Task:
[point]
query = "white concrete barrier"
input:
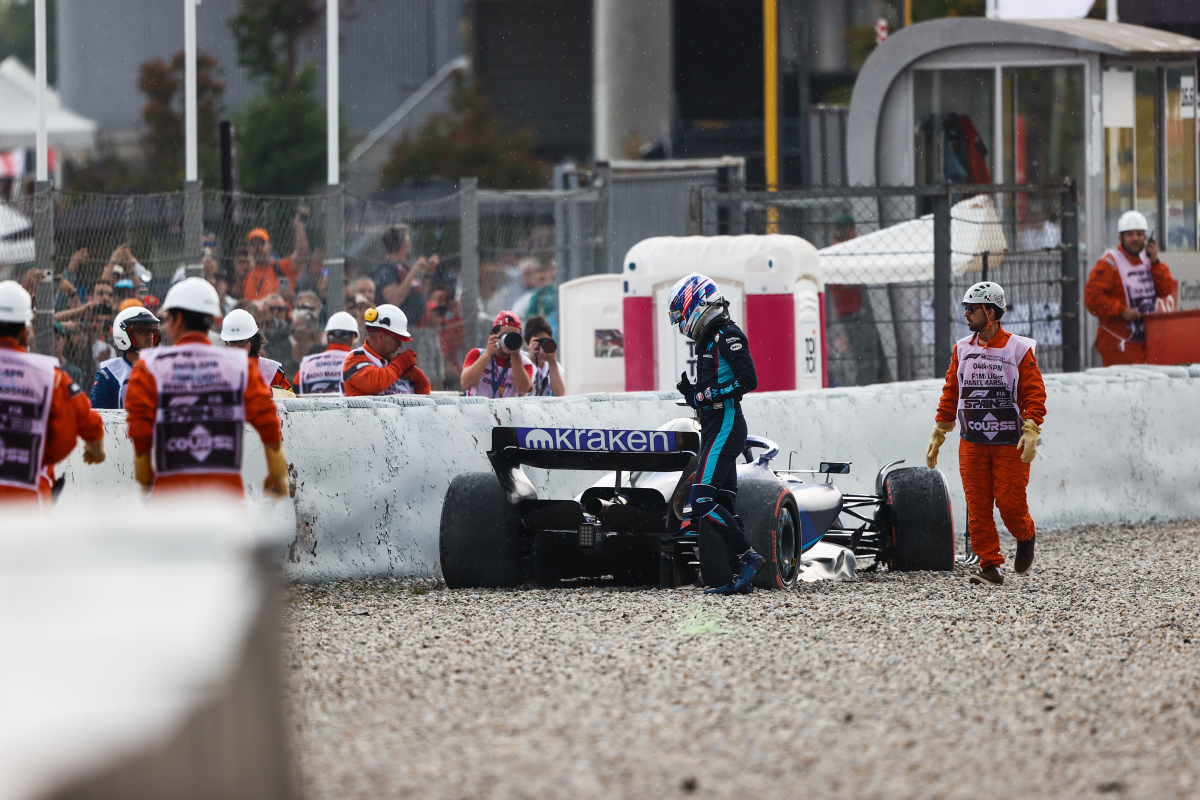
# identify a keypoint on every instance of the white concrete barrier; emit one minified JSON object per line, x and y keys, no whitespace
{"x":1119,"y":445}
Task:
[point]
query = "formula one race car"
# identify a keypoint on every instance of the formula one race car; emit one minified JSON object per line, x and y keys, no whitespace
{"x":496,"y":531}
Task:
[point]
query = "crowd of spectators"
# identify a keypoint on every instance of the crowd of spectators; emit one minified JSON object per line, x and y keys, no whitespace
{"x":286,"y":296}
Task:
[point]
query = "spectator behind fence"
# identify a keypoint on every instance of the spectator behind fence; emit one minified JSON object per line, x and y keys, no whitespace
{"x":276,"y":324}
{"x":396,"y":282}
{"x":359,"y":299}
{"x":541,"y":299}
{"x":543,"y":352}
{"x":489,"y":373}
{"x":240,"y":330}
{"x":94,"y":320}
{"x":444,"y":316}
{"x":380,"y":367}
{"x":306,"y":338}
{"x":1127,"y":283}
{"x":269,"y":273}
{"x":135,"y":329}
{"x":321,"y":373}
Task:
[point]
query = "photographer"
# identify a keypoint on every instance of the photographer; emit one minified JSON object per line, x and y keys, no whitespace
{"x":543,"y":351}
{"x":489,"y":373}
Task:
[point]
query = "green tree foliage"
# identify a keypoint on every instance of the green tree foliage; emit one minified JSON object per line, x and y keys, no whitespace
{"x":162,"y":84}
{"x":466,"y":141}
{"x":16,"y":35}
{"x":281,"y":132}
{"x":282,"y":141}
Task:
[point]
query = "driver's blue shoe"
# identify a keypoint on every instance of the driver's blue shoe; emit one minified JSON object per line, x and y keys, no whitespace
{"x":748,"y":565}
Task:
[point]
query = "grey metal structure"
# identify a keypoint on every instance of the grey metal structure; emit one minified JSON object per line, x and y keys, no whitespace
{"x":389,"y":50}
{"x":903,"y":86}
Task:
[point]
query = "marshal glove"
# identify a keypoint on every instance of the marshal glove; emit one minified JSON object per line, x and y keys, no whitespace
{"x":935,"y":442}
{"x":1030,"y":431}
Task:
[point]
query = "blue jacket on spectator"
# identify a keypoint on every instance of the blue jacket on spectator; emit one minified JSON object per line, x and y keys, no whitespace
{"x":108,"y":390}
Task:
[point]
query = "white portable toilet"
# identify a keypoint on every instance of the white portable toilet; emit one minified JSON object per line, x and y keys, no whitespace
{"x":590,"y":340}
{"x":776,"y":294}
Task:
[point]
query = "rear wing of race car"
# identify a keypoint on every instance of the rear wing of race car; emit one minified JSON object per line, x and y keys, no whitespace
{"x":585,"y":448}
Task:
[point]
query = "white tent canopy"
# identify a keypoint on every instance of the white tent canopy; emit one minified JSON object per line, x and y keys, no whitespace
{"x":16,"y":245}
{"x":65,"y":129}
{"x":903,"y":253}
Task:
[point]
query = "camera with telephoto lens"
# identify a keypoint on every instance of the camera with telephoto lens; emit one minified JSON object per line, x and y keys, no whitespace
{"x":509,"y":341}
{"x":548,"y":345}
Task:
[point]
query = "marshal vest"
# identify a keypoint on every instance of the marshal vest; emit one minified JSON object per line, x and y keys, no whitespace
{"x":201,"y":408}
{"x":1140,"y":293}
{"x":26,"y":390}
{"x":987,"y":390}
{"x":321,"y":373}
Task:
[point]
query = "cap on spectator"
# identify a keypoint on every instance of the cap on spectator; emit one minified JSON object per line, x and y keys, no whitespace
{"x":194,"y":294}
{"x":508,"y":319}
{"x":259,"y":232}
{"x":15,"y":303}
{"x":238,"y":326}
{"x":130,"y":302}
{"x":341,"y":321}
{"x":124,"y":283}
{"x":150,"y":301}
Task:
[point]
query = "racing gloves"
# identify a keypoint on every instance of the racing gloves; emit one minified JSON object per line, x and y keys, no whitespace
{"x":935,"y":442}
{"x":1030,"y":431}
{"x":276,"y":484}
{"x":687,"y":389}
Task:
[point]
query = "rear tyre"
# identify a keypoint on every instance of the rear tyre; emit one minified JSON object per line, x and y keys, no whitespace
{"x":921,"y":523}
{"x":768,"y":512}
{"x":478,"y":544}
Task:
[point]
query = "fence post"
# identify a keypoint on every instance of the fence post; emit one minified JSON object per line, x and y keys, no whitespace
{"x":335,"y":255}
{"x":193,"y":223}
{"x":1071,"y":337}
{"x":941,"y":283}
{"x":43,"y":242}
{"x":468,"y":209}
{"x":607,"y":234}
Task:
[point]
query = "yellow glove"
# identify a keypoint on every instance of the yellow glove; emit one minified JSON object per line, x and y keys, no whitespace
{"x":143,"y":472}
{"x":935,"y":442}
{"x":93,"y":452}
{"x":276,"y":484}
{"x":1029,"y":439}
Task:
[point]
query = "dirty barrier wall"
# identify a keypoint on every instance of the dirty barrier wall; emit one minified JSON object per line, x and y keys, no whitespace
{"x":1118,"y":444}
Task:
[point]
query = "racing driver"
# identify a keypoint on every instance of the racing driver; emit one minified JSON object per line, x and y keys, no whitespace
{"x":724,"y":372}
{"x":995,"y":389}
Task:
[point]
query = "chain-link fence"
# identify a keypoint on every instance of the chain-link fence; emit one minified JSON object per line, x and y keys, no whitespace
{"x":897,"y":261}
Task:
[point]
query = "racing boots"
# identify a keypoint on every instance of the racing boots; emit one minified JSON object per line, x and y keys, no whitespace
{"x":988,"y":577}
{"x":745,"y":567}
{"x":1024,"y":560}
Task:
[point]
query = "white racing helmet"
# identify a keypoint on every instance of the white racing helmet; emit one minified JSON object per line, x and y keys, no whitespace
{"x":986,"y":293}
{"x":15,"y":303}
{"x":238,"y":326}
{"x":135,"y":315}
{"x":1132,"y":221}
{"x":341,"y":322}
{"x":193,"y":294}
{"x":389,"y":318}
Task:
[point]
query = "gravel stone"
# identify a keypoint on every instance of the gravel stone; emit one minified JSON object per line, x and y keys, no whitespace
{"x":1079,"y":680}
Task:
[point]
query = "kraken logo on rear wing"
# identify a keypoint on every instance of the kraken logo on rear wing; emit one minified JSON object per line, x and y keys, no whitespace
{"x":593,"y":440}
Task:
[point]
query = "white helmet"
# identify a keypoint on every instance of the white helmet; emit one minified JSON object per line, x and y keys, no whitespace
{"x":389,"y":318}
{"x":986,"y":293}
{"x":1132,"y":221}
{"x":193,"y":294}
{"x":341,"y":322}
{"x":15,"y":303}
{"x":238,"y":326}
{"x":134,"y":315}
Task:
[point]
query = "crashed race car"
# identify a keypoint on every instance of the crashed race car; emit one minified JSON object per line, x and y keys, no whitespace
{"x":630,"y":525}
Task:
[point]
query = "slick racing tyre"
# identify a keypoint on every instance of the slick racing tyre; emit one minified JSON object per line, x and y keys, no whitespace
{"x":768,"y":512}
{"x":922,"y":530}
{"x":477,"y":543}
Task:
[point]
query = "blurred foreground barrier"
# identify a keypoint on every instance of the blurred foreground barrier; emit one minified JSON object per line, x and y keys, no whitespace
{"x":1120,"y":445}
{"x":141,"y":655}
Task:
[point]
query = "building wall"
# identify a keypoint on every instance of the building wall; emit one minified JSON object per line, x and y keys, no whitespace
{"x":389,"y":48}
